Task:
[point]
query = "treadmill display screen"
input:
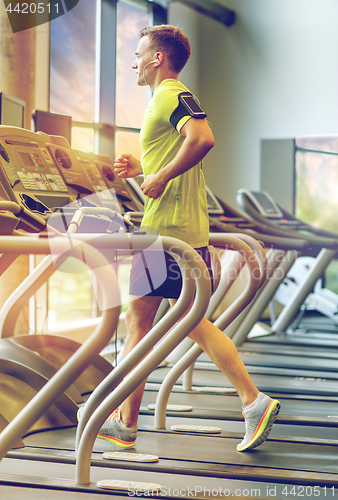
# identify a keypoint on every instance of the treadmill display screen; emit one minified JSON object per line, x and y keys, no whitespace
{"x":266,"y":204}
{"x":27,"y":160}
{"x":31,"y":160}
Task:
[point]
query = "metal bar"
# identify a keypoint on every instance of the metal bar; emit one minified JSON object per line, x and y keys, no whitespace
{"x":222,"y":322}
{"x":317,"y":151}
{"x":236,"y":264}
{"x":314,"y":273}
{"x":5,"y":262}
{"x":148,"y":364}
{"x":279,"y":264}
{"x":106,"y":277}
{"x":10,"y":311}
{"x":135,"y":355}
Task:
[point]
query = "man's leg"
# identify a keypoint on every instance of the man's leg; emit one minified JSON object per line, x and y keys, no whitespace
{"x":222,"y":351}
{"x":259,"y":410}
{"x":139,"y":321}
{"x":120,"y":428}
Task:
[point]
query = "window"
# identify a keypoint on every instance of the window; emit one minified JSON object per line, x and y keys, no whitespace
{"x":72,"y":70}
{"x":316,"y":172}
{"x":128,"y":142}
{"x":316,"y":166}
{"x":69,"y":298}
{"x":83,"y":139}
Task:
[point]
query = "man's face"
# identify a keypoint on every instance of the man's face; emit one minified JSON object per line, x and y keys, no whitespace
{"x":144,"y":55}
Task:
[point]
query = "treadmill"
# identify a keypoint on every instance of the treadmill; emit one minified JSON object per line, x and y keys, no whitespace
{"x":260,"y":206}
{"x":33,"y":453}
{"x":44,"y":180}
{"x":224,"y":218}
{"x":188,"y":462}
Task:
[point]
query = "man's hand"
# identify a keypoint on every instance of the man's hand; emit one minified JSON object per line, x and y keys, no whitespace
{"x":127,"y":166}
{"x":153,"y":186}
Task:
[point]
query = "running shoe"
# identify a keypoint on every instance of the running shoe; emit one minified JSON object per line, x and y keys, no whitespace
{"x":259,"y":417}
{"x":114,"y":431}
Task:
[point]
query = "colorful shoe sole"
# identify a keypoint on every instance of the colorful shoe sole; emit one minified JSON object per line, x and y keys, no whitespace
{"x":264,"y":427}
{"x":116,"y":441}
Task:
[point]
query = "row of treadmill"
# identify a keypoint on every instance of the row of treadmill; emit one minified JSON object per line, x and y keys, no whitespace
{"x":187,"y":449}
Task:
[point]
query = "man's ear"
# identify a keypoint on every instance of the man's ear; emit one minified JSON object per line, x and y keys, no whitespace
{"x":159,"y":57}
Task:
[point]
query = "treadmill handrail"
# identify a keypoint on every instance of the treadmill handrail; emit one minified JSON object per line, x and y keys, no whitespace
{"x":258,"y":270}
{"x":10,"y":311}
{"x":327,"y":250}
{"x":268,"y":238}
{"x":280,"y":263}
{"x":222,"y":290}
{"x":241,"y":243}
{"x":144,"y":346}
{"x":78,"y":362}
{"x":111,"y":214}
{"x":152,"y":360}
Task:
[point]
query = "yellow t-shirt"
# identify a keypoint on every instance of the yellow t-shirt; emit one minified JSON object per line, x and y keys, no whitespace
{"x":181,"y":211}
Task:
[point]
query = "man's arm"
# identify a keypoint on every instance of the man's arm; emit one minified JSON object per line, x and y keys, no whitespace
{"x":198,"y":141}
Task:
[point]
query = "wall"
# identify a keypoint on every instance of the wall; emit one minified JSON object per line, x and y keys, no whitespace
{"x":273,"y":74}
{"x":189,"y":21}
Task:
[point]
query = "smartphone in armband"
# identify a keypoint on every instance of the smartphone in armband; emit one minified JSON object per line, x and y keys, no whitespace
{"x":192,"y":106}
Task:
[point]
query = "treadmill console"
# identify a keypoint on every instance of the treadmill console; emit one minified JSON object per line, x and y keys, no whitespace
{"x":43,"y":174}
{"x":263,"y":203}
{"x":31,"y":170}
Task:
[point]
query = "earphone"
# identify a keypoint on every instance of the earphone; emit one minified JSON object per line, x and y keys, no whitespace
{"x":145,"y":67}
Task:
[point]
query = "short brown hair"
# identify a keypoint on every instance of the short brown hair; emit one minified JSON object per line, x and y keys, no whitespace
{"x":171,"y":41}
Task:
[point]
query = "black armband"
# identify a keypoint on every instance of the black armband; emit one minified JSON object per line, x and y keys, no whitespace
{"x":188,"y":106}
